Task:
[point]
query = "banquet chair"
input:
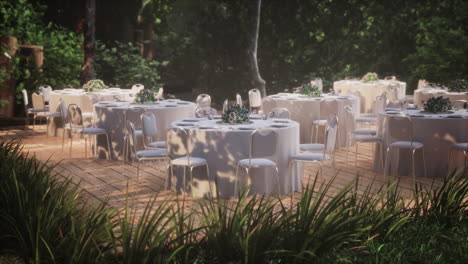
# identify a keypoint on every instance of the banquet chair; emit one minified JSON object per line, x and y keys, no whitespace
{"x":400,"y":128}
{"x":380,"y":103}
{"x":142,"y":155}
{"x":463,"y":147}
{"x":205,"y":112}
{"x":331,"y":136}
{"x":316,"y":124}
{"x":77,"y":126}
{"x":238,"y":99}
{"x":150,"y":131}
{"x":45,"y":90}
{"x":203,"y":100}
{"x":41,"y":110}
{"x":185,"y":158}
{"x":354,"y":134}
{"x":137,"y":87}
{"x":279,"y":113}
{"x":255,"y":100}
{"x":66,"y":125}
{"x":29,"y":110}
{"x":225,"y":105}
{"x":459,"y":104}
{"x":159,"y":95}
{"x":263,"y":143}
{"x":132,"y":113}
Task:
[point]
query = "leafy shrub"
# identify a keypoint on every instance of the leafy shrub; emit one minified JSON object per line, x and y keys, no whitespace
{"x":121,"y":65}
{"x":44,"y":219}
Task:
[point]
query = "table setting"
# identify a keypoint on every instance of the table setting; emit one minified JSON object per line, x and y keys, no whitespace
{"x":223,"y":144}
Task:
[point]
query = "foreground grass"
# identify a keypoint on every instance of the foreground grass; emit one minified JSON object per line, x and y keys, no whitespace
{"x":44,"y":219}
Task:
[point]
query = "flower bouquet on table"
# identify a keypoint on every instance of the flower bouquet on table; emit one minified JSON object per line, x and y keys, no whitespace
{"x":460,"y":85}
{"x":310,"y":89}
{"x":145,"y":96}
{"x":94,"y":85}
{"x":370,"y":77}
{"x":438,"y":105}
{"x":236,"y":114}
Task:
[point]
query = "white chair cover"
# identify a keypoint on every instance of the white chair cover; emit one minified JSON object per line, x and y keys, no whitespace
{"x":137,"y":87}
{"x":225,"y":105}
{"x":160,"y":93}
{"x":45,"y":90}
{"x":38,"y":101}
{"x":25,"y":98}
{"x":203,"y":100}
{"x":238,"y":99}
{"x":148,"y":122}
{"x":255,"y":98}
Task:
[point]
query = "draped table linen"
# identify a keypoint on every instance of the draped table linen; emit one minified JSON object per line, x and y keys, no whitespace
{"x":306,"y":109}
{"x":224,"y":145}
{"x":395,"y":90}
{"x":111,"y":116}
{"x":437,"y":132}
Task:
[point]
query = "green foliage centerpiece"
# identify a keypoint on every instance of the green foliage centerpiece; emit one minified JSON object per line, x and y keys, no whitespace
{"x":94,"y":85}
{"x":370,"y":77}
{"x":460,"y":85}
{"x":310,"y":89}
{"x":236,"y":114}
{"x":145,"y":96}
{"x":438,"y":105}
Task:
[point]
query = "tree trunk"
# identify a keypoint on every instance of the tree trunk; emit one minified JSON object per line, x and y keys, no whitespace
{"x":87,"y":70}
{"x":257,"y":80}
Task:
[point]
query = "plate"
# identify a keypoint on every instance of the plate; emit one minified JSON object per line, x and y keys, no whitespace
{"x":392,"y":109}
{"x":417,"y":115}
{"x":343,"y":97}
{"x":183,"y":103}
{"x":278,"y":126}
{"x":281,"y":121}
{"x":246,"y":128}
{"x":191,"y":120}
{"x":206,"y":127}
{"x":184,"y":124}
{"x":455,"y":116}
{"x":170,"y":106}
{"x":393,"y":112}
{"x":110,"y":105}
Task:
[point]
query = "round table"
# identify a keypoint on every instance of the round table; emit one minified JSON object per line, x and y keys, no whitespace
{"x":306,"y":109}
{"x":224,"y":145}
{"x":437,"y":132}
{"x":395,"y":90}
{"x":85,"y":100}
{"x":111,"y":116}
{"x":422,"y":95}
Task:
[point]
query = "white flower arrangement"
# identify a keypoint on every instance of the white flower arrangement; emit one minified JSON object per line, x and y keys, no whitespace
{"x":236,"y":114}
{"x":310,"y":89}
{"x":370,"y":77}
{"x":94,"y":85}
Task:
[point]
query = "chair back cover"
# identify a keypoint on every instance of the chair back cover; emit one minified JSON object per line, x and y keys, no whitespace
{"x":148,"y":122}
{"x":399,"y":127}
{"x":133,"y":114}
{"x":177,"y":142}
{"x":45,"y":90}
{"x":203,"y":100}
{"x":131,"y":136}
{"x":422,"y":84}
{"x":225,"y":105}
{"x":255,"y":98}
{"x":25,"y":98}
{"x":238,"y":99}
{"x":205,"y":112}
{"x":263,"y":143}
{"x":38,"y":101}
{"x":380,"y":103}
{"x":459,"y":104}
{"x":280,"y":113}
{"x":63,"y":110}
{"x":318,"y":82}
{"x":137,"y":87}
{"x":75,"y":116}
{"x":160,"y":93}
{"x":328,"y":106}
{"x":331,"y":133}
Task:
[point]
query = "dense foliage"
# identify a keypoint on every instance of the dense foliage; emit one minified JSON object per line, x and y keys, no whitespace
{"x":44,"y":219}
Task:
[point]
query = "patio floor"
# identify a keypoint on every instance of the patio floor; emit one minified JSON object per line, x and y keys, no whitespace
{"x":116,"y":183}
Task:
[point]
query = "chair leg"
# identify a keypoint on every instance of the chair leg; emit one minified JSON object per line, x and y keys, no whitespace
{"x":71,"y":142}
{"x":414,"y":167}
{"x":125,"y":150}
{"x":424,"y":162}
{"x":236,"y":182}
{"x":108,"y":147}
{"x":184,"y":181}
{"x":63,"y":138}
{"x":209,"y":180}
{"x":398,"y":162}
{"x":278,"y":181}
{"x":386,"y":165}
{"x":138,"y":170}
{"x":86,"y":146}
{"x":191,"y":180}
{"x":355,"y":157}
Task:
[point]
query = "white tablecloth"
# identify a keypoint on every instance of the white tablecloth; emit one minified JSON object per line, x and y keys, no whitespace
{"x":111,"y":116}
{"x":305,"y":109}
{"x":437,"y":132}
{"x":224,"y":145}
{"x":85,"y":100}
{"x":395,"y":90}
{"x":422,"y":95}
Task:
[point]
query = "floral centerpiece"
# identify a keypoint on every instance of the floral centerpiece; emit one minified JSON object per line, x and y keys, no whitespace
{"x":370,"y":77}
{"x":310,"y":89}
{"x":236,"y":114}
{"x":437,"y":105}
{"x":145,"y":96}
{"x":460,"y":85}
{"x":94,"y":85}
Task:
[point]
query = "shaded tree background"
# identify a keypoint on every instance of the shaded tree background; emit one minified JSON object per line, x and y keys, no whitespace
{"x":205,"y":42}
